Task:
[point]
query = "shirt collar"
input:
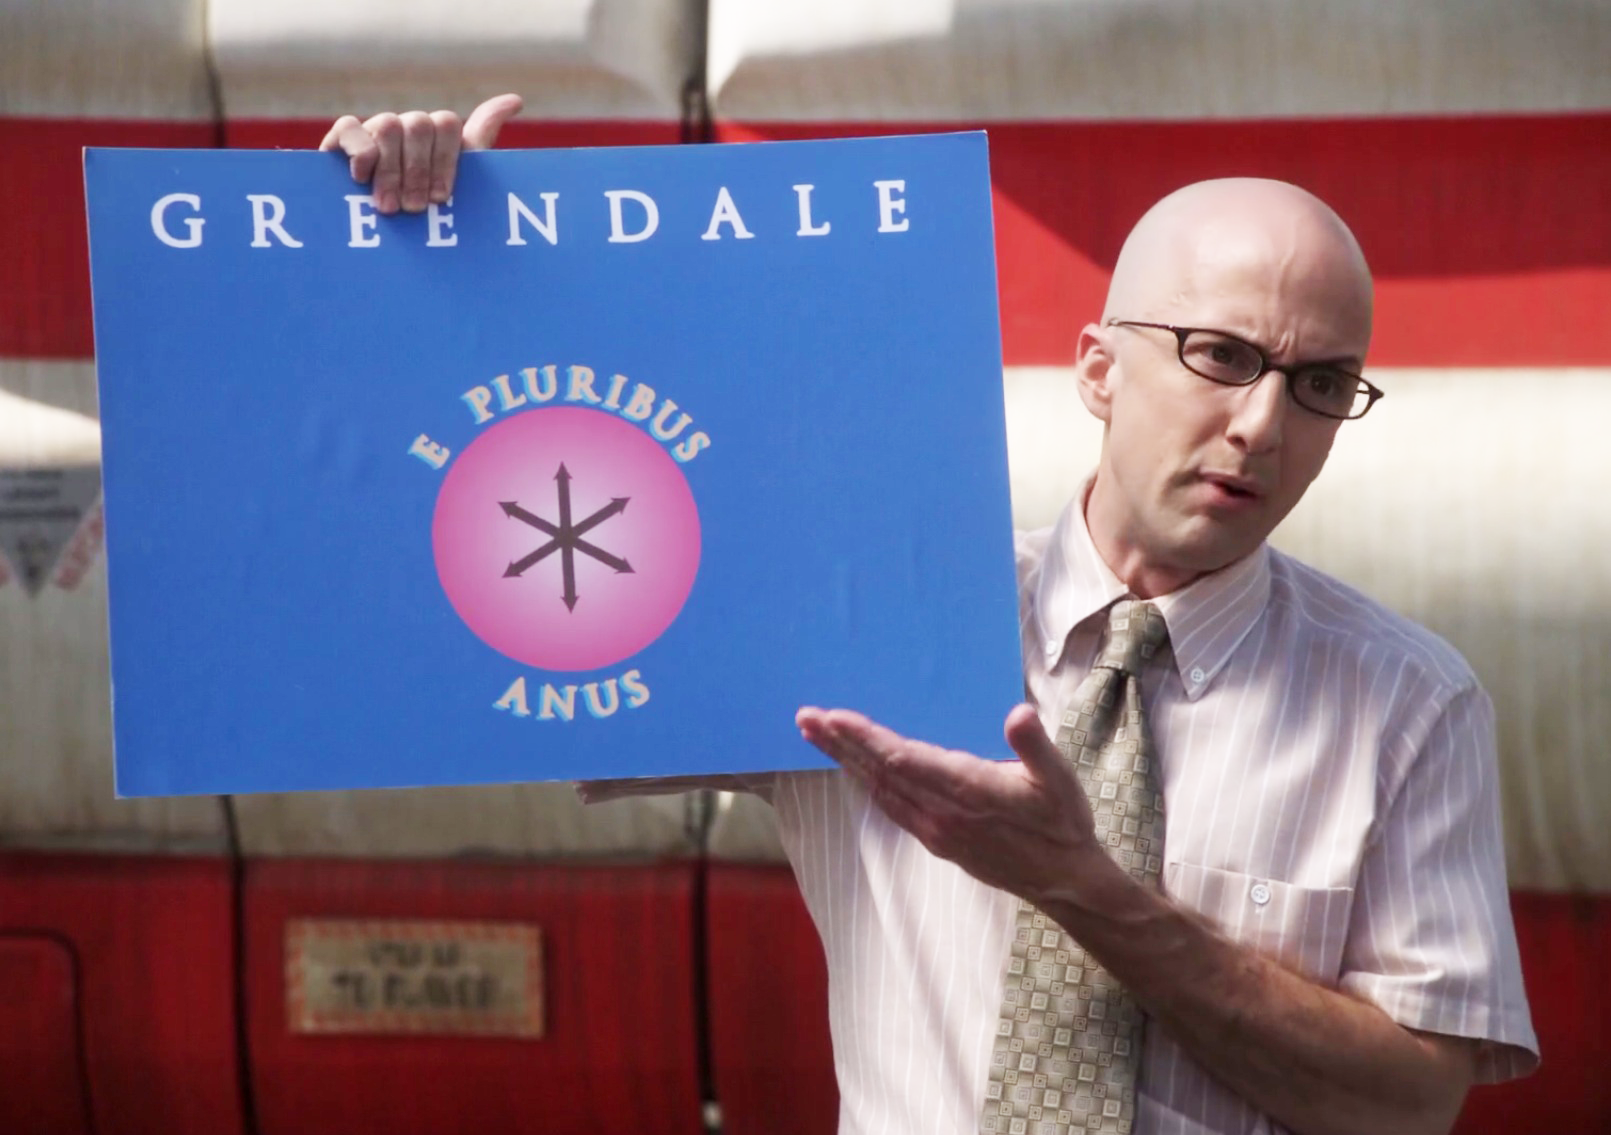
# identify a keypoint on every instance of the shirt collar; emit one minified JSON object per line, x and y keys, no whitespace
{"x":1207,"y":619}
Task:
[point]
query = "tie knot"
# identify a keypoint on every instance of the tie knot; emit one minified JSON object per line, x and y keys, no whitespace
{"x":1135,"y":632}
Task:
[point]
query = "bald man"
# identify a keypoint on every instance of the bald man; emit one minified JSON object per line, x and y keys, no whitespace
{"x":1331,"y":949}
{"x":1324,"y":944}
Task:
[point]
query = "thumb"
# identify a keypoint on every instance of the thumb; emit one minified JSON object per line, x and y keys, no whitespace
{"x":481,"y":128}
{"x":1028,"y":739}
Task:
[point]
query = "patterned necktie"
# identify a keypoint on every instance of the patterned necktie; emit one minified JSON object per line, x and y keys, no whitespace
{"x":1068,"y":1043}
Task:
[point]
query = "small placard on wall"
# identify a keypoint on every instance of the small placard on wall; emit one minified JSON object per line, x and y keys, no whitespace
{"x":414,"y":978}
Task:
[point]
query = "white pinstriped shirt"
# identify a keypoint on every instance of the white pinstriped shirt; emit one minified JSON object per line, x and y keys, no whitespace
{"x":1330,"y":788}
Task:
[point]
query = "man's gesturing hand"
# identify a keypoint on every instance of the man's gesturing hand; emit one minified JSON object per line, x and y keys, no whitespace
{"x":412,"y":157}
{"x":1024,"y":828}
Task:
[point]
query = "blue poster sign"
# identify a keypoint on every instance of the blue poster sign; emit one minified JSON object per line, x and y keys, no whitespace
{"x":600,"y":470}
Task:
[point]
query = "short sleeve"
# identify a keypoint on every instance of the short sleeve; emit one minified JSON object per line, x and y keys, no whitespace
{"x":1431,"y":939}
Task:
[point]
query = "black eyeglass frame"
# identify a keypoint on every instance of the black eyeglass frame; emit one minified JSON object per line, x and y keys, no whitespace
{"x":1265,"y":366}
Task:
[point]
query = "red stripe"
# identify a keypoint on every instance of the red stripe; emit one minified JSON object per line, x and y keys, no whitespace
{"x":1490,"y":237}
{"x":771,"y":1054}
{"x":44,"y":253}
{"x":150,"y":940}
{"x":42,"y":1086}
{"x":619,"y":1046}
{"x":44,"y":266}
{"x":1564,"y":941}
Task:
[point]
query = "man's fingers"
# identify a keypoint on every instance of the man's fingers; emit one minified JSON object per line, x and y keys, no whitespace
{"x":940,"y":782}
{"x":411,"y":160}
{"x":445,"y":154}
{"x":345,"y":133}
{"x":825,"y":730}
{"x":332,"y":137}
{"x":485,"y":121}
{"x":419,"y":140}
{"x":387,"y":130}
{"x":958,"y":806}
{"x":952,"y":773}
{"x":1028,"y":739}
{"x":856,"y":742}
{"x":817,"y":726}
{"x":348,"y":136}
{"x":1049,"y":767}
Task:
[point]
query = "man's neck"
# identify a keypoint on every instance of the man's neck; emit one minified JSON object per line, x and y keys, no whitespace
{"x":1143,"y":577}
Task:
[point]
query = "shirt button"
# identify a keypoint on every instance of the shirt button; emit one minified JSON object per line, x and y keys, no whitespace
{"x":1260,"y":894}
{"x":1197,"y":674}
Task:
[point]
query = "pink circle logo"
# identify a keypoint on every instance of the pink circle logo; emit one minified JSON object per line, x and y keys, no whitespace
{"x":566,"y":538}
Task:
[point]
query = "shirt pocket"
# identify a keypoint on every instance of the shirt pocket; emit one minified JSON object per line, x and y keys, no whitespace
{"x":1304,"y":928}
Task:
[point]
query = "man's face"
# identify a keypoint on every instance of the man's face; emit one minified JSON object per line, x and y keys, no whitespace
{"x":1195,"y":475}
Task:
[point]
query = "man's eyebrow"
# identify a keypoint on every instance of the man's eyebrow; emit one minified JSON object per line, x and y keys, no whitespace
{"x":1343,"y":362}
{"x":1354,"y":363}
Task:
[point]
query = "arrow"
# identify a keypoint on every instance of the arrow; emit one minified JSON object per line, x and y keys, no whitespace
{"x":564,"y":479}
{"x":568,"y":562}
{"x":514,"y":570}
{"x":511,"y":509}
{"x":621,"y":566}
{"x":567,"y":538}
{"x":616,"y":506}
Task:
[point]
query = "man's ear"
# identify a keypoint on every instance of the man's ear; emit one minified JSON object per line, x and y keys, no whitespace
{"x":1094,"y":371}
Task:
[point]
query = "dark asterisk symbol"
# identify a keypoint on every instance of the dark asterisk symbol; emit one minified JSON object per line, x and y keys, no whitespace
{"x":567,"y":537}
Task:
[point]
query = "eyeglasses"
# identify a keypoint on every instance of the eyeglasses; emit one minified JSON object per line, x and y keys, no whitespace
{"x":1223,"y":358}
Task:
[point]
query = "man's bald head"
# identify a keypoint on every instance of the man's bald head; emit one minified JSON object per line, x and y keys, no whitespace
{"x":1193,"y":237}
{"x":1195,"y":474}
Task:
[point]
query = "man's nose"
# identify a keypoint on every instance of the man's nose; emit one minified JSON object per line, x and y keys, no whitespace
{"x":1260,"y":412}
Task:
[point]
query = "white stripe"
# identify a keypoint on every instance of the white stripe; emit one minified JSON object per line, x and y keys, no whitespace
{"x":1028,"y":60}
{"x":569,"y":58}
{"x":117,"y":59}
